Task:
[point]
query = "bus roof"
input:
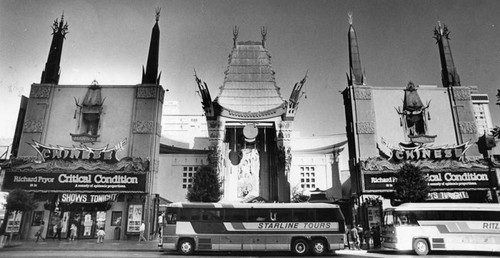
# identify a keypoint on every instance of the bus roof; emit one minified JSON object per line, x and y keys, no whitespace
{"x":446,"y":206}
{"x":253,"y":205}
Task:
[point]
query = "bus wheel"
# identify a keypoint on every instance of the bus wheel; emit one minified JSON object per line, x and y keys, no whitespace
{"x":186,"y":246}
{"x":300,"y":247}
{"x":318,"y":247}
{"x":420,"y":247}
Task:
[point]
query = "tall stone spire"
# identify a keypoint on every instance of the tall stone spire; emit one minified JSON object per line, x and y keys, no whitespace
{"x":355,"y":76}
{"x":149,"y":76}
{"x":51,"y":72}
{"x":449,"y":75}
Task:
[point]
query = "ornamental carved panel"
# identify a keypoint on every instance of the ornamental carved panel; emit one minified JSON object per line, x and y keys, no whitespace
{"x":143,"y":127}
{"x":461,"y":94}
{"x":158,"y":129}
{"x":468,"y":127}
{"x":162,"y":94}
{"x":146,"y":92}
{"x":213,"y":124}
{"x":362,"y":93}
{"x":33,"y":126}
{"x":365,"y":127}
{"x":40,"y":92}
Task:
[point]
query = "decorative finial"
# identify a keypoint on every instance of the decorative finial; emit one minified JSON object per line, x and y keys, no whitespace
{"x":441,"y":31}
{"x":263,"y":32}
{"x":157,"y":16}
{"x":236,"y":30}
{"x":60,"y":26}
{"x":349,"y":17}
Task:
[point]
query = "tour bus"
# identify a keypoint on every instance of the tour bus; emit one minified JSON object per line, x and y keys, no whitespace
{"x":423,"y":227}
{"x":297,"y":227}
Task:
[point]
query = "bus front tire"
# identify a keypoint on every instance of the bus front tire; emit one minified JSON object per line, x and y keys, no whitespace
{"x":300,"y":247}
{"x":186,"y":246}
{"x":318,"y":247}
{"x":420,"y":247}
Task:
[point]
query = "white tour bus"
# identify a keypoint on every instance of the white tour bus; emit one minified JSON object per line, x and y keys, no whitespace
{"x":299,"y":227}
{"x":423,"y":227}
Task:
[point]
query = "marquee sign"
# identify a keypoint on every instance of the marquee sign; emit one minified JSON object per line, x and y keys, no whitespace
{"x":421,"y":151}
{"x":63,"y":181}
{"x":86,"y":198}
{"x":436,"y":180}
{"x":49,"y":152}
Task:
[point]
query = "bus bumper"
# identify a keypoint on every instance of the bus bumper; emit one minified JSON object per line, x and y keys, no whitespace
{"x":168,"y":246}
{"x":337,"y":246}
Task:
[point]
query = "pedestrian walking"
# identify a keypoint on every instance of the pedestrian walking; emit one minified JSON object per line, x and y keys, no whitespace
{"x":376,"y":236}
{"x":368,"y":237}
{"x":348,"y":237}
{"x":73,"y":231}
{"x":142,"y":228}
{"x":57,"y":229}
{"x":100,"y":235}
{"x":360,"y":236}
{"x":39,"y":233}
{"x":355,"y":238}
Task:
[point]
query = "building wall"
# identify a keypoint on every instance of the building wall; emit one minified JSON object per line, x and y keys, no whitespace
{"x":173,"y":167}
{"x":482,"y":113}
{"x":130,"y":116}
{"x":386,"y":100}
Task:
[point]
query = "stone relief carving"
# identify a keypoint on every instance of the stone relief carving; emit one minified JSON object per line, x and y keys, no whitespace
{"x":143,"y":127}
{"x":381,"y":164}
{"x":468,"y":127}
{"x":40,"y":92}
{"x":362,"y":93}
{"x":146,"y":92}
{"x":158,"y":129}
{"x":365,"y":127}
{"x":162,"y":94}
{"x":33,"y":126}
{"x":461,"y":94}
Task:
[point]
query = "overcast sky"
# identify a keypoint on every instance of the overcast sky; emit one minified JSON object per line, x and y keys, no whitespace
{"x":108,"y":41}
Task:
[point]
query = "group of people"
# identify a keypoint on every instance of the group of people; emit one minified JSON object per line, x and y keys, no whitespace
{"x":73,"y":232}
{"x":357,"y":236}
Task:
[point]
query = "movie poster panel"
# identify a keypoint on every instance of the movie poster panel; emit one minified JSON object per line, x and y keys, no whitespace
{"x":134,"y":218}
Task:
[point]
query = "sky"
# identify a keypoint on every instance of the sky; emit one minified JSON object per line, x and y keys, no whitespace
{"x":108,"y":41}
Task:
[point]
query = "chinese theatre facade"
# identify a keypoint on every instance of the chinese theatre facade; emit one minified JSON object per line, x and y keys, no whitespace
{"x":431,"y":127}
{"x":250,"y":125}
{"x":87,"y":152}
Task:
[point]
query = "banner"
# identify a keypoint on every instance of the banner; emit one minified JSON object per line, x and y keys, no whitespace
{"x":62,"y":181}
{"x":86,"y":198}
{"x":441,"y":180}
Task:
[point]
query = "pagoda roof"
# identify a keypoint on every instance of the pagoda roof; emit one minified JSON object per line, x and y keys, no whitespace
{"x":249,"y":83}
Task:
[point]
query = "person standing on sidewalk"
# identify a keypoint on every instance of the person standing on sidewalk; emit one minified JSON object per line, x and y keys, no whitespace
{"x":368,"y":238}
{"x":142,"y":228}
{"x":100,"y":235}
{"x":39,"y":233}
{"x":73,"y":231}
{"x":58,"y":229}
{"x":355,"y":238}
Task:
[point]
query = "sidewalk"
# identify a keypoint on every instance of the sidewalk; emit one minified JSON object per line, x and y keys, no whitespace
{"x":84,"y":244}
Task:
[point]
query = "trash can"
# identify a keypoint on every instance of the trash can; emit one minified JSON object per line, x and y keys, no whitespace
{"x":117,"y":233}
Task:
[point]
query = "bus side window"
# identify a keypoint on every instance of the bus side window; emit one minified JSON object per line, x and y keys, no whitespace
{"x":328,"y":215}
{"x":235,"y":215}
{"x":258,"y":215}
{"x":388,"y":218}
{"x":304,"y":215}
{"x":281,"y":215}
{"x":171,"y":217}
{"x":211,"y":215}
